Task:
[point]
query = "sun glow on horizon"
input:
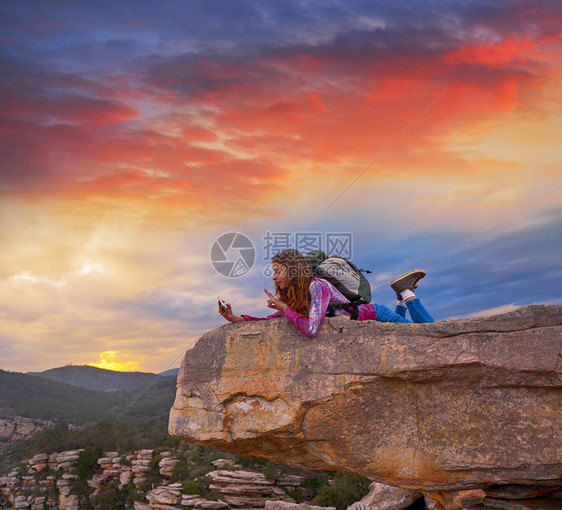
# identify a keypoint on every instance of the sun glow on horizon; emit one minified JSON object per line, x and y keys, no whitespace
{"x":108,"y":361}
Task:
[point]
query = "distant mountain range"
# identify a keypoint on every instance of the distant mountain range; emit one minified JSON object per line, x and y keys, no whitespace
{"x":172,"y":371}
{"x":83,"y":394}
{"x":99,"y":379}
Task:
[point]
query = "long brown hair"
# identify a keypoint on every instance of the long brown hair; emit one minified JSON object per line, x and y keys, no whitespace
{"x":299,"y":274}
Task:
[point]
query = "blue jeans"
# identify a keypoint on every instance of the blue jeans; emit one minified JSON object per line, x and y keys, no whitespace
{"x":401,"y":310}
{"x":417,"y":311}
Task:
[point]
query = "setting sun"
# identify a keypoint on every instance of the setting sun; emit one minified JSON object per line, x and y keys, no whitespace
{"x":108,"y":360}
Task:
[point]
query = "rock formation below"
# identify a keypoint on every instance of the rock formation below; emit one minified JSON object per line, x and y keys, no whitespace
{"x":17,"y":428}
{"x":280,"y":505}
{"x":52,"y":481}
{"x":447,"y":406}
{"x":250,"y":490}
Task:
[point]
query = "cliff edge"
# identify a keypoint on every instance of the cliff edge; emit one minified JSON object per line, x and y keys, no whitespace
{"x":446,"y":406}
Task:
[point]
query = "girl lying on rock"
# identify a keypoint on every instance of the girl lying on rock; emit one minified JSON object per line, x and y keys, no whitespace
{"x":303,"y":298}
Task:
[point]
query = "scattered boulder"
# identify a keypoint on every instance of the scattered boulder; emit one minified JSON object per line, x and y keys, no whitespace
{"x":223,"y":463}
{"x":386,"y":497}
{"x":125,"y":477}
{"x":39,"y":462}
{"x":165,"y":495}
{"x":281,"y":505}
{"x":198,"y":502}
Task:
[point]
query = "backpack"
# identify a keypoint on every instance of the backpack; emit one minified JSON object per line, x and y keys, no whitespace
{"x":344,"y":276}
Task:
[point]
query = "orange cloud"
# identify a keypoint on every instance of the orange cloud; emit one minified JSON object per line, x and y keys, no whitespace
{"x":510,"y":49}
{"x":251,"y":125}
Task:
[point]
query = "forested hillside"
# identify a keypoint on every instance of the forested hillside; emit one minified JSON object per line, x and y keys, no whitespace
{"x":31,"y":396}
{"x":93,"y":378}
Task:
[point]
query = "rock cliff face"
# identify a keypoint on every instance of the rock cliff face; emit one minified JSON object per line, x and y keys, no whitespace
{"x":448,"y":406}
{"x":18,"y":427}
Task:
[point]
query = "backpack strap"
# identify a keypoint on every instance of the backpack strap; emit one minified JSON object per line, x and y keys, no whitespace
{"x":331,"y":310}
{"x":352,"y":308}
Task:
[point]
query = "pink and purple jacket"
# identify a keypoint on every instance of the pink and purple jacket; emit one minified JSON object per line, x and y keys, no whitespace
{"x":322,"y":292}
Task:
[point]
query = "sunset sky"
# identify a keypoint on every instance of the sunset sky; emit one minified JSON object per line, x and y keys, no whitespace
{"x":134,"y":134}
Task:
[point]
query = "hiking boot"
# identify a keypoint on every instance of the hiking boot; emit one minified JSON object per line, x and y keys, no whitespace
{"x":407,"y":281}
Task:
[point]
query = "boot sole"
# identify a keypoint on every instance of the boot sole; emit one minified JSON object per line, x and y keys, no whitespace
{"x":408,"y":274}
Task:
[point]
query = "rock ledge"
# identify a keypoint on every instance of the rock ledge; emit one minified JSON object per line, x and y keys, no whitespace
{"x":451,"y":405}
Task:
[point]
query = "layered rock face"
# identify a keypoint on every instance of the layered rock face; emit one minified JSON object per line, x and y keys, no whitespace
{"x":52,"y":481}
{"x":22,"y":489}
{"x":251,"y":490}
{"x":18,"y":427}
{"x":448,"y":406}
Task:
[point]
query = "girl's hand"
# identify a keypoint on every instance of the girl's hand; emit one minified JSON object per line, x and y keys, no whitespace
{"x":228,"y":315}
{"x":273,"y":302}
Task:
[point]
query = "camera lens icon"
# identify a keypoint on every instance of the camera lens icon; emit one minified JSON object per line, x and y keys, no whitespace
{"x":233,"y":254}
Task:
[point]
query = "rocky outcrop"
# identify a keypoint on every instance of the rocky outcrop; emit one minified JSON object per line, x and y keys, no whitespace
{"x":52,"y":481}
{"x":114,"y":467}
{"x":24,"y":487}
{"x":18,"y":427}
{"x":240,"y":490}
{"x":448,"y":406}
{"x":246,"y":489}
{"x":167,"y":464}
{"x":168,"y":495}
{"x":140,"y":466}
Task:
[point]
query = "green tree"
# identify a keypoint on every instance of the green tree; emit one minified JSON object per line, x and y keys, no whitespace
{"x":110,"y":497}
{"x":196,"y":453}
{"x":192,"y":487}
{"x":249,"y":460}
{"x":88,"y":461}
{"x":297,"y":494}
{"x":347,"y":489}
{"x":180,"y":471}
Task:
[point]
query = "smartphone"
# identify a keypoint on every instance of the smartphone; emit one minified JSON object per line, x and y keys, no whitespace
{"x":223,"y":305}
